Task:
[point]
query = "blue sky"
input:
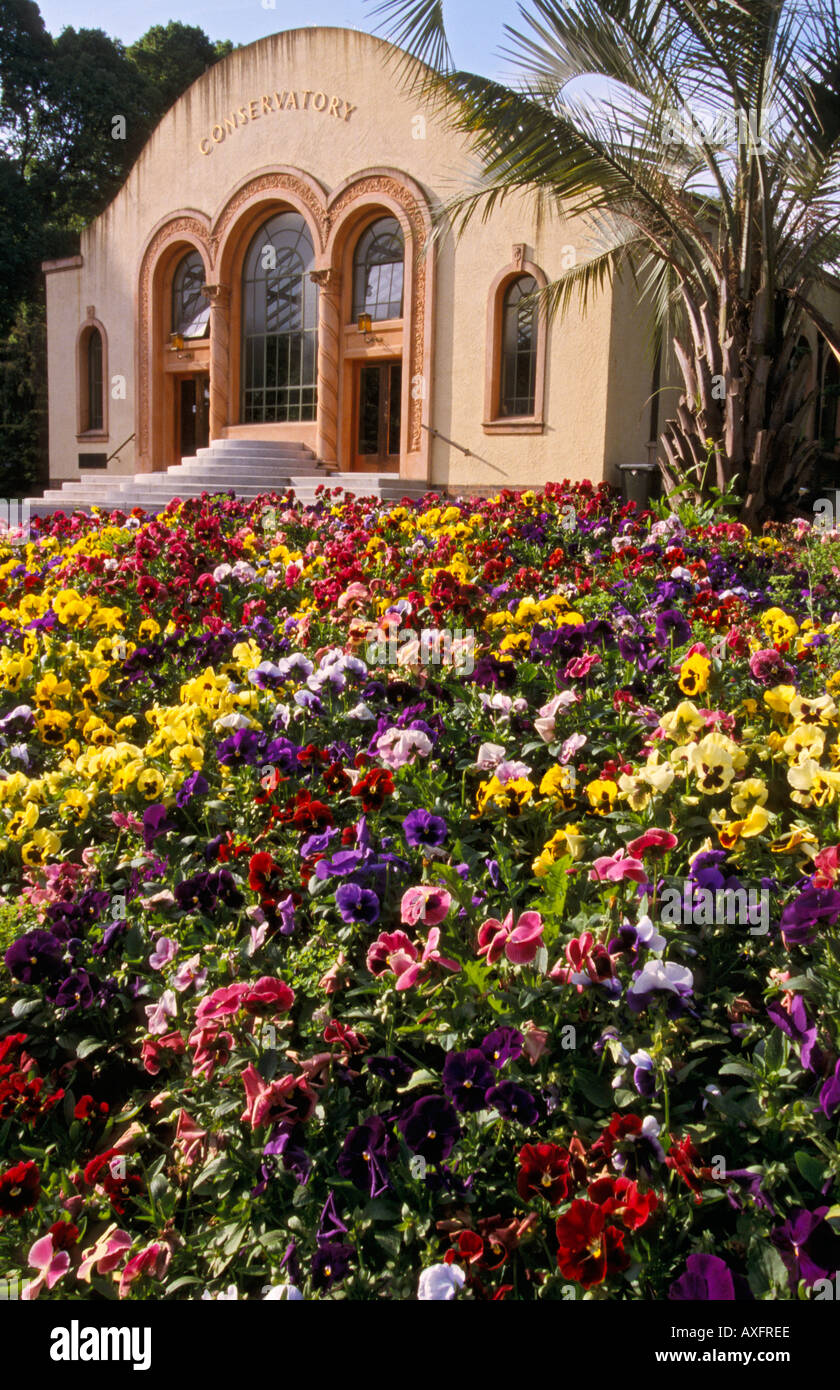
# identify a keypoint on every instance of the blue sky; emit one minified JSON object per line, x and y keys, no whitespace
{"x":476,"y":26}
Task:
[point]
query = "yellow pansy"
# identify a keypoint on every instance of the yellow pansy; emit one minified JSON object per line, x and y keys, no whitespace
{"x":812,"y":785}
{"x":71,"y":609}
{"x":714,"y":762}
{"x":680,"y":723}
{"x":780,"y":698}
{"x":75,"y":806}
{"x":694,"y":675}
{"x":780,"y":626}
{"x":821,"y":711}
{"x":751,"y":792}
{"x":49,"y":689}
{"x":21,"y":822}
{"x":14,"y":669}
{"x":730,"y":832}
{"x":52,"y":726}
{"x":150,"y":783}
{"x":601,"y":795}
{"x":43,"y":845}
{"x":806,"y":739}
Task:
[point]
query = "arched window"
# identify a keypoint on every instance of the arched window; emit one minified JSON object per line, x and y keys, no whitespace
{"x":379,"y":271}
{"x":828,"y":401}
{"x":519,"y":338}
{"x":91,"y":380}
{"x":190,"y":308}
{"x":279,"y":323}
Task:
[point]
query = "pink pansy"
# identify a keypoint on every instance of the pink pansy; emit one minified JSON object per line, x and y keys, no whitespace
{"x":489,"y":756}
{"x":51,"y":1265}
{"x":190,"y":1139}
{"x":519,"y":943}
{"x":189,"y":974}
{"x":399,"y":747}
{"x":211,"y":1046}
{"x":586,"y":958}
{"x":511,"y":771}
{"x":412,"y":970}
{"x":126,"y":822}
{"x":152,"y":1260}
{"x":159,"y":1014}
{"x":111,"y":1247}
{"x":222,"y":1003}
{"x":426,"y":903}
{"x":384,"y":947}
{"x":165,"y":950}
{"x":653,"y":842}
{"x":572,"y":745}
{"x":267,"y":995}
{"x":612,"y":868}
{"x":330,"y":982}
{"x":580,"y":666}
{"x":826,"y":863}
{"x":548,"y":713}
{"x":535,"y":1041}
{"x":718,"y":719}
{"x":266,"y":1103}
{"x":154,"y":1049}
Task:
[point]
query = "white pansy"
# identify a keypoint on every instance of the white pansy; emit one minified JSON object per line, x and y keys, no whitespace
{"x":439,"y":1283}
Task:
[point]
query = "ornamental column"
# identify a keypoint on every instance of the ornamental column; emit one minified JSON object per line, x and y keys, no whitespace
{"x":219,"y":296}
{"x":329,"y":338}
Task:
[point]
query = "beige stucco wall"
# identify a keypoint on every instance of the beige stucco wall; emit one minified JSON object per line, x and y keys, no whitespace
{"x":586,"y":423}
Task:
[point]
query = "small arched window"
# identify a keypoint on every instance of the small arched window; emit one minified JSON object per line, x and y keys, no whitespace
{"x":91,"y":377}
{"x":379,"y":271}
{"x":190,"y":308}
{"x":828,"y":402}
{"x":519,"y":339}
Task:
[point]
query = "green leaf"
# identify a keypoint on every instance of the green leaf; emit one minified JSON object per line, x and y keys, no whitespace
{"x":419,"y":1078}
{"x":87,"y":1046}
{"x":810,"y":1167}
{"x":597,"y":1089}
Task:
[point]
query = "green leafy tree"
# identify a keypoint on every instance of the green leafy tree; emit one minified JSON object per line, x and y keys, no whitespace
{"x":704,"y":154}
{"x":171,"y":57}
{"x":75,"y":112}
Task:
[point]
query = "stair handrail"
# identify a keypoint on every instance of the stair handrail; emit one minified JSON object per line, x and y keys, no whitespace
{"x":121,"y":446}
{"x":436,"y":434}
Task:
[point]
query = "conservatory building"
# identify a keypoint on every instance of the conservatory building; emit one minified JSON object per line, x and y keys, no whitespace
{"x":268,"y":274}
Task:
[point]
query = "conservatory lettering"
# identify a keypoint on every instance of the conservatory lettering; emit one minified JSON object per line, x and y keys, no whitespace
{"x":277,"y":103}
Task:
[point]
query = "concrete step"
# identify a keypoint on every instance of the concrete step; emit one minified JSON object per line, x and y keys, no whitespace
{"x":268,"y":446}
{"x":236,"y":459}
{"x":260,"y":471}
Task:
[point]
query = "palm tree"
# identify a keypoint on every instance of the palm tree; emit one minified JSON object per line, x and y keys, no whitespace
{"x":708,"y":168}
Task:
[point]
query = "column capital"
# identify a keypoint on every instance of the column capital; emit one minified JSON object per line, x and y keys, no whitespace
{"x":328,"y":280}
{"x":217,"y":294}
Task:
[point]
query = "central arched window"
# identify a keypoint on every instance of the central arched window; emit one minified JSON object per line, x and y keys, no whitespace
{"x":519,"y":348}
{"x":379,"y":271}
{"x":279,"y":323}
{"x":190,"y":308}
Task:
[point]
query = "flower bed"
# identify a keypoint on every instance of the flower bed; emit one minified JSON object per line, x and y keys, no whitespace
{"x":338,"y":969}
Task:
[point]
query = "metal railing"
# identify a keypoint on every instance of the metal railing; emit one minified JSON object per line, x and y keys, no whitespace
{"x":436,"y":434}
{"x":121,"y":446}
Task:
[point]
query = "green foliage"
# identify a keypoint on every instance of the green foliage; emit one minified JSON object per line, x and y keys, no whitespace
{"x":62,"y":159}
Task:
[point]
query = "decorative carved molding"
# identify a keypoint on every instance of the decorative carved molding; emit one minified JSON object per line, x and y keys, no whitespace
{"x":179,"y":227}
{"x":278,"y":183}
{"x":91,"y":311}
{"x":518,"y":258}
